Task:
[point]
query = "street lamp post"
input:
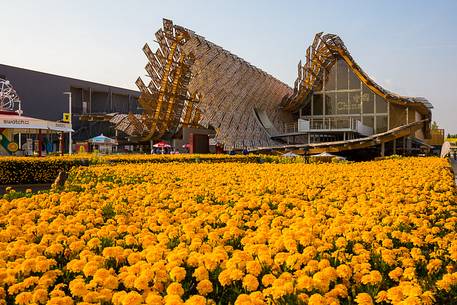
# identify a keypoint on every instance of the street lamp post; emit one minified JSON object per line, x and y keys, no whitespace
{"x":69,"y":111}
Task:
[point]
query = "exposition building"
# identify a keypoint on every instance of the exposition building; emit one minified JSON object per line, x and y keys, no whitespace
{"x":41,"y":95}
{"x":198,"y":93}
{"x":334,"y":105}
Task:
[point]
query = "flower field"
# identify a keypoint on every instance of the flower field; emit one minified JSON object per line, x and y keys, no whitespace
{"x":24,"y":170}
{"x":382,"y":232}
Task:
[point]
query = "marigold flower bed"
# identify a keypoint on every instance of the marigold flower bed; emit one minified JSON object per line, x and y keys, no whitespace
{"x":379,"y":232}
{"x":25,"y":170}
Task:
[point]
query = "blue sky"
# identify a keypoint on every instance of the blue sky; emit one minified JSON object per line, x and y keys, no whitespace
{"x":409,"y":47}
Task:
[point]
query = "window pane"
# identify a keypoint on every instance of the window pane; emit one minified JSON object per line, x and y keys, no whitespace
{"x":317,"y":104}
{"x":330,"y":103}
{"x":306,"y":110}
{"x":367,"y":100}
{"x":330,"y":84}
{"x":342,"y":106}
{"x":381,"y":123}
{"x":342,"y":75}
{"x":354,"y":82}
{"x":368,"y":121}
{"x":381,"y":105}
{"x":354,"y":102}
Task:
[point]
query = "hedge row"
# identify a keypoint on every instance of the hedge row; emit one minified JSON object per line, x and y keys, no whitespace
{"x":28,"y":170}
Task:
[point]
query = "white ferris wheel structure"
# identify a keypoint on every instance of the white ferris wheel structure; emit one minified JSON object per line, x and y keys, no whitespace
{"x":8,"y":97}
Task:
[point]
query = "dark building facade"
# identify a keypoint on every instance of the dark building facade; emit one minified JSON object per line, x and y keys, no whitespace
{"x":41,"y":95}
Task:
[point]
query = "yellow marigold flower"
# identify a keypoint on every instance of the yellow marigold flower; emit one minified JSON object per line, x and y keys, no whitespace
{"x":395,"y":294}
{"x":447,"y":282}
{"x":409,"y":273}
{"x":142,"y":282}
{"x":175,"y":288}
{"x":268,"y":279}
{"x":304,"y":282}
{"x":76,"y":265}
{"x":364,"y":299}
{"x":253,"y":267}
{"x":250,"y":282}
{"x":40,"y":296}
{"x":92,"y":297}
{"x":134,"y":258}
{"x":78,"y":287}
{"x":100,"y":275}
{"x":382,"y":296}
{"x":341,"y":242}
{"x":387,"y":243}
{"x":373,"y":278}
{"x":434,"y":265}
{"x":396,"y":274}
{"x":77,"y":246}
{"x":117,"y":297}
{"x":344,"y":272}
{"x":321,"y":282}
{"x":316,"y":299}
{"x":90,"y":268}
{"x":322,"y":264}
{"x":196,"y":300}
{"x":94,"y":243}
{"x":303,"y":297}
{"x":428,"y":298}
{"x":132,"y":298}
{"x":339,"y":291}
{"x":178,"y":274}
{"x":225,"y":277}
{"x":243,"y":299}
{"x":24,"y":298}
{"x":204,"y":287}
{"x":60,"y":300}
{"x":200,"y":273}
{"x":54,"y":249}
{"x":173,"y":299}
{"x":154,"y":299}
{"x":453,"y":250}
{"x":110,"y":282}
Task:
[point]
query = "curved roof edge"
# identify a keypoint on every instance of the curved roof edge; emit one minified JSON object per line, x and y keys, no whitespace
{"x":322,"y":55}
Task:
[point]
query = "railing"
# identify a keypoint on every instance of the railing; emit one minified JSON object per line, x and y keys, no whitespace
{"x":290,"y":127}
{"x":332,"y":123}
{"x":327,"y":124}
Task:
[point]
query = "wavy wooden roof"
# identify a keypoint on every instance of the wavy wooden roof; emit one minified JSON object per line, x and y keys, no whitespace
{"x":321,"y":56}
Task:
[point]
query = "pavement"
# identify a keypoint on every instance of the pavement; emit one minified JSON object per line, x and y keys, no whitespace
{"x":454,"y":168}
{"x":23,"y":187}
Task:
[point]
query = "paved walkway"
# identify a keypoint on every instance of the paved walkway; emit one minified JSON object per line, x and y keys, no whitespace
{"x":454,"y":167}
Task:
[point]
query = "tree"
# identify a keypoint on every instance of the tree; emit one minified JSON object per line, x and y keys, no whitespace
{"x":434,"y":125}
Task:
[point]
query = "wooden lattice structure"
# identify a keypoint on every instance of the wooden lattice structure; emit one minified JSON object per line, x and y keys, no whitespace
{"x":195,"y":82}
{"x":166,"y":102}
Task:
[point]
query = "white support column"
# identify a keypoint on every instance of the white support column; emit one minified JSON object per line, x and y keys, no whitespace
{"x":70,"y":144}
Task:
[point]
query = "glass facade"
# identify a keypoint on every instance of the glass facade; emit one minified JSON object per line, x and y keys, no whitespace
{"x":318,"y":104}
{"x":344,"y":95}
